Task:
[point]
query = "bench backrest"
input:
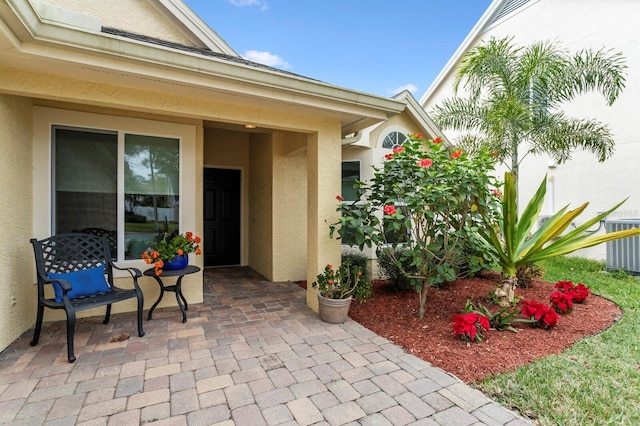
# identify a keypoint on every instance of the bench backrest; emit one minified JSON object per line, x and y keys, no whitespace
{"x":72,"y":252}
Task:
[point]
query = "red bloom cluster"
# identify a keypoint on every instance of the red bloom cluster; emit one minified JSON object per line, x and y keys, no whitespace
{"x":390,"y":210}
{"x":577,"y":292}
{"x":425,"y":162}
{"x":545,"y":316}
{"x":456,"y":154}
{"x":471,"y":326}
{"x":562,"y":302}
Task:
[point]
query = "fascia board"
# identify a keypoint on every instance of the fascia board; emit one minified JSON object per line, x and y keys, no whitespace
{"x":67,"y":43}
{"x":197,"y":26}
{"x":421,"y":115}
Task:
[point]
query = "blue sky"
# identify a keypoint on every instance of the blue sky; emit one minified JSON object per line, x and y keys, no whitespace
{"x":374,"y":46}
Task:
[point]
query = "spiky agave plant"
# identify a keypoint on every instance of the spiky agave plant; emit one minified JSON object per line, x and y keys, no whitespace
{"x":515,"y":246}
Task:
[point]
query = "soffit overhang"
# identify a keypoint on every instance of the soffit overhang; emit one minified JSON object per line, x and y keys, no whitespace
{"x":30,"y":42}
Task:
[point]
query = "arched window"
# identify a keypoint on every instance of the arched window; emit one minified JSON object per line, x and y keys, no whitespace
{"x":393,"y":139}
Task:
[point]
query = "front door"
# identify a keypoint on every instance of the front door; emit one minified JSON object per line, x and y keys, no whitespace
{"x":221,"y":217}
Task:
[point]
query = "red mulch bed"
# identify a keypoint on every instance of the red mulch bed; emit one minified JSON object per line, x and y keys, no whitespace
{"x":393,"y":315}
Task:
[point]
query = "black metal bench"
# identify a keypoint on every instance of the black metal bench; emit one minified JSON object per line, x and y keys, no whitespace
{"x":80,"y":255}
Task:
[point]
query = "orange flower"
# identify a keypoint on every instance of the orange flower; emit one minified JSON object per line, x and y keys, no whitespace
{"x":456,"y":154}
{"x":166,"y":249}
{"x":437,"y":140}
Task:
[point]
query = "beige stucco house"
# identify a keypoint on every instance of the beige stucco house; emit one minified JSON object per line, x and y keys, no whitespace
{"x":134,"y":116}
{"x":576,"y":24}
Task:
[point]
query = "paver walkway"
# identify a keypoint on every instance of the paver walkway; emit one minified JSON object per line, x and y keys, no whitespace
{"x":251,"y":354}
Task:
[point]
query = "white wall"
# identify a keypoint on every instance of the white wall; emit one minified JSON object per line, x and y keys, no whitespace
{"x":580,"y":24}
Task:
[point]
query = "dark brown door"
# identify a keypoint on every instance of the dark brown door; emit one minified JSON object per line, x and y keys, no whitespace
{"x":221,"y":217}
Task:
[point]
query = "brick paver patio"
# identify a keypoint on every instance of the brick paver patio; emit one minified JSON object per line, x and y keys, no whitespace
{"x":251,"y":354}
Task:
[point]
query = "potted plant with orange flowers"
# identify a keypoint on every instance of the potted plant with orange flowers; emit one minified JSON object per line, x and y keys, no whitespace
{"x":337,"y":288}
{"x":171,"y":252}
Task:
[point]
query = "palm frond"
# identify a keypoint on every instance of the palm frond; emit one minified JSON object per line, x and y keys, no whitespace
{"x":562,"y":135}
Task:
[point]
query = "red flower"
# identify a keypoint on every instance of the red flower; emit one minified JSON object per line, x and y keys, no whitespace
{"x":544,"y":316}
{"x":388,"y":156}
{"x":470,"y":326}
{"x":564,"y":286}
{"x":562,"y":302}
{"x":398,"y":149}
{"x":437,"y":140}
{"x":496,"y":193}
{"x":580,"y":292}
{"x":425,"y":162}
{"x":577,"y":293}
{"x":456,"y":154}
{"x":417,"y":135}
{"x":339,"y":198}
{"x":390,"y":210}
{"x":549,"y":319}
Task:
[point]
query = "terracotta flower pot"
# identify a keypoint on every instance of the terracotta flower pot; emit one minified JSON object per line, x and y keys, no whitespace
{"x":334,"y":311}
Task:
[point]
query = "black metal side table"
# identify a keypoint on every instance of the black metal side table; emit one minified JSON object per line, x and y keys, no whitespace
{"x":177,"y":288}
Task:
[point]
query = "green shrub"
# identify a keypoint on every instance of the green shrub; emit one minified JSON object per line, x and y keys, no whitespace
{"x":359,"y":260}
{"x":388,"y":269}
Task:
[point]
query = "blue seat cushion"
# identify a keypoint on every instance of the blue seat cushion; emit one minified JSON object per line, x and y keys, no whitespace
{"x":86,"y":282}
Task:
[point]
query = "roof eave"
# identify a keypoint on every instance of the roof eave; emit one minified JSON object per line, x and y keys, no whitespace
{"x":38,"y":38}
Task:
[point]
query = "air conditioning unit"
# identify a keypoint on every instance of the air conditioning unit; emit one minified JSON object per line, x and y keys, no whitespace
{"x":623,"y":254}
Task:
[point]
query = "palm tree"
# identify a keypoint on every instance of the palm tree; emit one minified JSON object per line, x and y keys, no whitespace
{"x":515,"y":95}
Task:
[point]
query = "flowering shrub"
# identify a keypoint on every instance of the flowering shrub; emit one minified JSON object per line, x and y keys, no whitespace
{"x":470,"y":326}
{"x":578,"y":292}
{"x":544,"y":316}
{"x":168,"y":248}
{"x":562,"y":302}
{"x":429,"y":200}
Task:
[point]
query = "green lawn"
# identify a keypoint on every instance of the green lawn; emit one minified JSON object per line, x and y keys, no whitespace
{"x":597,"y":380}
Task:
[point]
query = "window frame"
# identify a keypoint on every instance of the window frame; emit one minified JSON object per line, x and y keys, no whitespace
{"x":396,"y":133}
{"x":359,"y":162}
{"x":43,"y":167}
